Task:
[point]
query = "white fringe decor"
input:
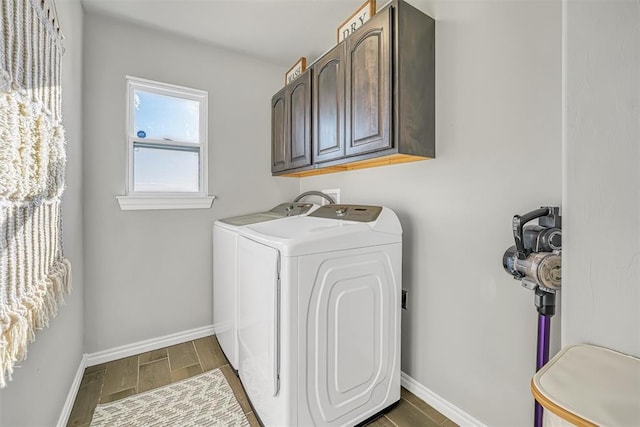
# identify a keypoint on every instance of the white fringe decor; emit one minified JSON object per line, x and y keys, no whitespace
{"x":34,"y":275}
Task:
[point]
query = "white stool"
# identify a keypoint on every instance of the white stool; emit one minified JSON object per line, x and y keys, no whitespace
{"x":586,"y":385}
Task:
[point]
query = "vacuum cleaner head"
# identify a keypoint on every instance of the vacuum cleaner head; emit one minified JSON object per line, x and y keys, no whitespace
{"x":537,"y":269}
{"x":535,"y":259}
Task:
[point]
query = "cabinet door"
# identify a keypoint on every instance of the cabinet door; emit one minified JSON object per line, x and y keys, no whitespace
{"x":328,"y":106}
{"x":299,"y":122}
{"x":278,"y":127}
{"x":368,"y":86}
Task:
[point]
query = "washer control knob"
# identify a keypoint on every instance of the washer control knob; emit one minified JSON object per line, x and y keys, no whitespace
{"x":341,"y":211}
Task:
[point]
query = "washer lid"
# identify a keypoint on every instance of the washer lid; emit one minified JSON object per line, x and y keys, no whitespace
{"x":303,"y":235}
{"x":586,"y":384}
{"x":280,"y":211}
{"x":254,"y":218}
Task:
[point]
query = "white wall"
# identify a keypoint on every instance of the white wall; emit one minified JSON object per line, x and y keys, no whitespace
{"x":601,"y":288}
{"x":40,"y":384}
{"x":469,"y":332}
{"x":148,"y":273}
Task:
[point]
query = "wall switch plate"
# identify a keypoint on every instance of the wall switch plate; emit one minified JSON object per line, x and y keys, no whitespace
{"x":334,"y":193}
{"x":404,"y":298}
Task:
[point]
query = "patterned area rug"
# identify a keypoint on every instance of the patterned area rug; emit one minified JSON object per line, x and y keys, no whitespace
{"x":203,"y":400}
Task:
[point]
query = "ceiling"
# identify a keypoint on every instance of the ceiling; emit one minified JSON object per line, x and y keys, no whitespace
{"x":278,"y":31}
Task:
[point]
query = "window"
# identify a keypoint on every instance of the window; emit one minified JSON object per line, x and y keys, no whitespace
{"x":166,"y":147}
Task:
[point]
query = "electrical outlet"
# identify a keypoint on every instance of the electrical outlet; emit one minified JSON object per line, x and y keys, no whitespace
{"x":334,"y":193}
{"x":404,"y":298}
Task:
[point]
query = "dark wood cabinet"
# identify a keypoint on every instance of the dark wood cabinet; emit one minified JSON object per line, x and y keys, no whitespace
{"x":373,"y":100}
{"x":291,"y":126}
{"x":368,"y":86}
{"x":278,"y":126}
{"x":329,"y":106}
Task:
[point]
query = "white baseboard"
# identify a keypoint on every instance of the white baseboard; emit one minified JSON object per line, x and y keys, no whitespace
{"x":147,"y":345}
{"x":443,"y":406}
{"x":73,"y":392}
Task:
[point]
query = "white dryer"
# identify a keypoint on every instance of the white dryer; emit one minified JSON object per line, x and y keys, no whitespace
{"x":319,"y":315}
{"x":225,"y":242}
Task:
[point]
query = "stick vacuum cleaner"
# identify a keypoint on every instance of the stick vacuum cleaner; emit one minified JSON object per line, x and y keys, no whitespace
{"x":536,"y":261}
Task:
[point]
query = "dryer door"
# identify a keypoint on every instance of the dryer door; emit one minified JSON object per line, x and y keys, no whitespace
{"x":352,"y":352}
{"x":258,"y":320}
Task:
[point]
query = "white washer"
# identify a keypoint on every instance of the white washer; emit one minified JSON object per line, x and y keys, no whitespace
{"x":319,"y":315}
{"x":225,"y":238}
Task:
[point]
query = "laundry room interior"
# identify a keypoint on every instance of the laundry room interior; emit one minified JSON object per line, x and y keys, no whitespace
{"x":534,"y":103}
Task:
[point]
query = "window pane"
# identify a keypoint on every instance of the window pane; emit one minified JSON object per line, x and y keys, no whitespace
{"x":162,"y":169}
{"x":166,"y":117}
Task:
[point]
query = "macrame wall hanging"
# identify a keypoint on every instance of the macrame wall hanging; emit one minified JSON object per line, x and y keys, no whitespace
{"x":34,"y":275}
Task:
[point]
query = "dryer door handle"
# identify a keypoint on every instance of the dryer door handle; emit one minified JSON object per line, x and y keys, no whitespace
{"x":276,"y":330}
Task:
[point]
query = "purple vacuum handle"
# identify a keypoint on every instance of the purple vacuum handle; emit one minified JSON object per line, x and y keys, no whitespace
{"x":544,"y":327}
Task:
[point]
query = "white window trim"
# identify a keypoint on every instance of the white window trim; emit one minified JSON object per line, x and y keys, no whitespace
{"x":136,"y":200}
{"x":136,"y":203}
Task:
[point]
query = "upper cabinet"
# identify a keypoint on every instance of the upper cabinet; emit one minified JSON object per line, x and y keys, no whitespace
{"x":291,"y":126}
{"x":368,"y":103}
{"x":371,"y":100}
{"x":278,"y":126}
{"x":329,"y":106}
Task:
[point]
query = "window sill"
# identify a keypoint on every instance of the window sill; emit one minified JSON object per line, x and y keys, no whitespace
{"x":136,"y":203}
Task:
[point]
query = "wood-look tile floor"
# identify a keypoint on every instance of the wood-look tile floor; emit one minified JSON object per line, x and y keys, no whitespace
{"x":136,"y":374}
